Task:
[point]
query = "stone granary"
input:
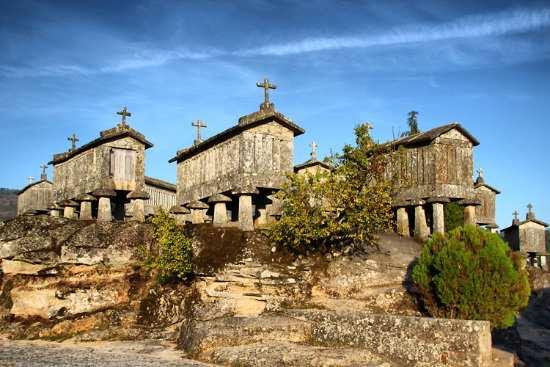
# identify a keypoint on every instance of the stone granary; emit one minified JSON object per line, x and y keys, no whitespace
{"x":528,"y":237}
{"x":313,"y":165}
{"x":428,"y":170}
{"x":486,"y":194}
{"x":246,"y":163}
{"x":36,"y":197}
{"x":100,"y":177}
{"x":162,"y":194}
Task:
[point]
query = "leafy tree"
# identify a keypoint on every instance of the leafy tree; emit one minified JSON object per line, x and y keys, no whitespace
{"x":412,"y":121}
{"x":454,"y":215}
{"x":175,"y":253}
{"x":470,"y":273}
{"x":347,"y":206}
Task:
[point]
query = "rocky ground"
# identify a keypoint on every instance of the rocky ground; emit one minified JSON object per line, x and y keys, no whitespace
{"x":81,"y":282}
{"x":105,"y":354}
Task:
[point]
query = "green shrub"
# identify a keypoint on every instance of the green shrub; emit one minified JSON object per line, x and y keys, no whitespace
{"x":347,"y":206}
{"x":454,"y":215}
{"x":173,"y":260}
{"x":470,"y":273}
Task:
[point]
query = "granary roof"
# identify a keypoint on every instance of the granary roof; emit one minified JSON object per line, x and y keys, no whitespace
{"x":312,"y":162}
{"x":544,"y":224}
{"x":118,"y":132}
{"x":430,"y":135}
{"x":481,"y":182}
{"x":246,"y":122}
{"x":160,"y":183}
{"x":31,"y":185}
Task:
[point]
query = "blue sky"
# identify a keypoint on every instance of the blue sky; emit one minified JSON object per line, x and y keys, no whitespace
{"x":69,"y":66}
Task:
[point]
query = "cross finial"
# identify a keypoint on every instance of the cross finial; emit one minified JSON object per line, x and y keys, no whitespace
{"x":30,"y":179}
{"x":313,"y":153}
{"x":73,"y":139}
{"x":515,"y":214}
{"x":43,"y":175}
{"x":480,"y":172}
{"x":530,"y":215}
{"x":124,"y":113}
{"x":266,"y":85}
{"x":199,"y":125}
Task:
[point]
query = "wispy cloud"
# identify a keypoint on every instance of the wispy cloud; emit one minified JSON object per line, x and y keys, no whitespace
{"x":138,"y":56}
{"x":498,"y":24}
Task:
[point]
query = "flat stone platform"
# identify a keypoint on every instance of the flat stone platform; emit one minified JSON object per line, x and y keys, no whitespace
{"x":153,"y":353}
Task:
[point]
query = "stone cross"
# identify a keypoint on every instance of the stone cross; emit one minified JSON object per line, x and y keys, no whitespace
{"x":199,"y":125}
{"x":124,"y":113}
{"x":515,"y":214}
{"x":266,"y":85}
{"x":480,"y":172}
{"x":30,"y":179}
{"x":530,"y":215}
{"x":73,"y":139}
{"x":43,"y":175}
{"x":313,"y":146}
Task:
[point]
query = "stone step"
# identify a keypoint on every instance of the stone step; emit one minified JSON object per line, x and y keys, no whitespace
{"x":200,"y":337}
{"x":281,"y":353}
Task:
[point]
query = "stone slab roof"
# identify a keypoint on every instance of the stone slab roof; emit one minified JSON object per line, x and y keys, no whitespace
{"x":105,"y":136}
{"x":31,"y":185}
{"x":311,"y":163}
{"x":544,"y":224}
{"x":482,"y":183}
{"x":160,"y":183}
{"x":245,"y":122}
{"x":430,"y":135}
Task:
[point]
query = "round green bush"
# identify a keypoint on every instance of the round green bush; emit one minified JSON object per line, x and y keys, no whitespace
{"x":470,"y":273}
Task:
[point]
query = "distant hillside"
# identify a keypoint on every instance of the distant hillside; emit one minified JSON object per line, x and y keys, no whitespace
{"x":8,"y":203}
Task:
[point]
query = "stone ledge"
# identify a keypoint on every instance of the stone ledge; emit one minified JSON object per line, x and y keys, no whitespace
{"x":412,"y":340}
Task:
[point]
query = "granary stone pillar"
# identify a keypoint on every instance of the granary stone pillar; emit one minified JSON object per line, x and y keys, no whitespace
{"x":421,"y":230}
{"x":137,"y":201}
{"x":180,"y":214}
{"x":246,"y":222}
{"x":273,"y":210}
{"x":198,"y":211}
{"x":402,"y":220}
{"x":470,"y":210}
{"x":104,"y":211}
{"x":86,"y":206}
{"x":55,"y":210}
{"x":69,"y":209}
{"x":246,"y":216}
{"x":438,"y":215}
{"x":220,"y":208}
{"x":262,"y":218}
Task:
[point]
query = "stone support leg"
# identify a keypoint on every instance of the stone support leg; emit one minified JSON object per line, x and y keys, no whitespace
{"x":246,"y":222}
{"x":469,"y":214}
{"x":403,"y":222}
{"x":197,"y":216}
{"x":138,"y":209}
{"x":220,"y":214}
{"x":421,"y":230}
{"x":68,"y":212}
{"x":262,"y":218}
{"x":86,"y":210}
{"x":104,"y":213}
{"x":438,"y":218}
